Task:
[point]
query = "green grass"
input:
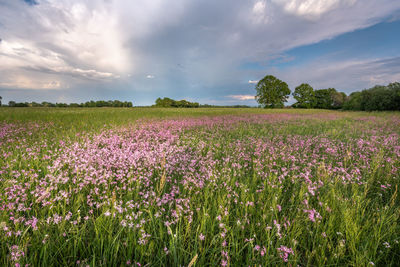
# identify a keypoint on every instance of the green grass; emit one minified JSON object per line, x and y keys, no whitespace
{"x":258,"y":169}
{"x":86,"y":118}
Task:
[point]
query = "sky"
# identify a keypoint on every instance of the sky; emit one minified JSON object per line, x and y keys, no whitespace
{"x":207,"y":51}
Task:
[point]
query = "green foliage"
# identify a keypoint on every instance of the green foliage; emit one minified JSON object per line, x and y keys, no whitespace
{"x":353,"y":102}
{"x":89,"y":104}
{"x":109,"y":103}
{"x":323,"y":98}
{"x":305,"y":96}
{"x":47,"y":104}
{"x":338,"y":99}
{"x":395,"y":89}
{"x":171,"y":103}
{"x":329,"y":99}
{"x":272,"y":92}
{"x":376,"y":98}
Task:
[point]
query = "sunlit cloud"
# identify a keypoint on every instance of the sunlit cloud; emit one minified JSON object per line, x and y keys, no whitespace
{"x":24,"y":82}
{"x":242,"y":97}
{"x":313,"y":9}
{"x":253,"y":81}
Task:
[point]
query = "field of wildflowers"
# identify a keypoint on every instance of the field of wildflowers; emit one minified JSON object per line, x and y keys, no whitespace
{"x":212,"y":187}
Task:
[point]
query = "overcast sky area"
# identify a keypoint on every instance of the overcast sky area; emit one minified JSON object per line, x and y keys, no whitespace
{"x":200,"y":50}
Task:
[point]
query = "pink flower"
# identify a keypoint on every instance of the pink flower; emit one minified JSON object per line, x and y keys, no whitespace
{"x":284,"y":252}
{"x":312,"y":214}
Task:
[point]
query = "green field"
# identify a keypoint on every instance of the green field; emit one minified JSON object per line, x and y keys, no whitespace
{"x":198,"y":187}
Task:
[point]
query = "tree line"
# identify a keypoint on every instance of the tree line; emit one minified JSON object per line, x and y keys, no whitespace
{"x":272,"y":93}
{"x":88,"y":104}
{"x":171,"y":103}
{"x":168,"y":103}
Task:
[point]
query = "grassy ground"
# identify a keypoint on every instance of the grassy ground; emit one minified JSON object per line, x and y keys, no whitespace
{"x":198,"y":187}
{"x":87,"y":118}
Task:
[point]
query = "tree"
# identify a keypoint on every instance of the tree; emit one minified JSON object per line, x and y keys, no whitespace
{"x":353,"y":102}
{"x":48,"y":104}
{"x":0,"y":100}
{"x":377,"y":98}
{"x":305,"y":96}
{"x":165,"y":102}
{"x":329,"y":98}
{"x":338,"y":99}
{"x":272,"y":92}
{"x":168,"y":103}
{"x":395,"y":89}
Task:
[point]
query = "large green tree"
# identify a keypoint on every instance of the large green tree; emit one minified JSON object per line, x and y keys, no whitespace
{"x":305,"y":96}
{"x":168,"y":102}
{"x":272,"y":92}
{"x":378,"y":98}
{"x":353,"y":102}
{"x":395,"y":89}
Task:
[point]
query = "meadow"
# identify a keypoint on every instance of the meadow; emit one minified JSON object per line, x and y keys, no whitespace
{"x":198,"y":187}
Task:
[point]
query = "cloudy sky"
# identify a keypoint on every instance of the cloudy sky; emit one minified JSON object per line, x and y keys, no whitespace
{"x":200,"y":50}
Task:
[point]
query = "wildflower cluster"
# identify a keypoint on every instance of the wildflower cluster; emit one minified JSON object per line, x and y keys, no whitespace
{"x":231,"y":190}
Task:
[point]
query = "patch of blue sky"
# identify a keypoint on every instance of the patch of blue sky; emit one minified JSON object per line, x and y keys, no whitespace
{"x":31,"y":2}
{"x":378,"y":41}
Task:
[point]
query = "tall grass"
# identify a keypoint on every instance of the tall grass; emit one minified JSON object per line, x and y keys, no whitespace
{"x":170,"y":187}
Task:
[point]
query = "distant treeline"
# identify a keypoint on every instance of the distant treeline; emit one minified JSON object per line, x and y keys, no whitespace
{"x":232,"y":106}
{"x":376,"y":98}
{"x":171,"y":103}
{"x":88,"y":104}
{"x":168,"y":102}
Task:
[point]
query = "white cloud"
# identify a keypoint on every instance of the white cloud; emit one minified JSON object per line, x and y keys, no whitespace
{"x":25,"y":82}
{"x":94,"y":37}
{"x":260,"y":13}
{"x":91,"y":74}
{"x":150,"y":76}
{"x":33,"y":67}
{"x":61,"y":38}
{"x":242,"y":97}
{"x":345,"y":76}
{"x":313,"y":8}
{"x":253,"y":81}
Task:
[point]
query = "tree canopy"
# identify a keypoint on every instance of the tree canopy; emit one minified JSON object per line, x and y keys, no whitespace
{"x":272,"y":92}
{"x":88,"y":104}
{"x":305,"y":96}
{"x":168,"y":102}
{"x":329,"y":99}
{"x":378,"y":98}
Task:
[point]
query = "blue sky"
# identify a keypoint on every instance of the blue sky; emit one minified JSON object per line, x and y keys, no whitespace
{"x":378,"y":41}
{"x":200,"y":50}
